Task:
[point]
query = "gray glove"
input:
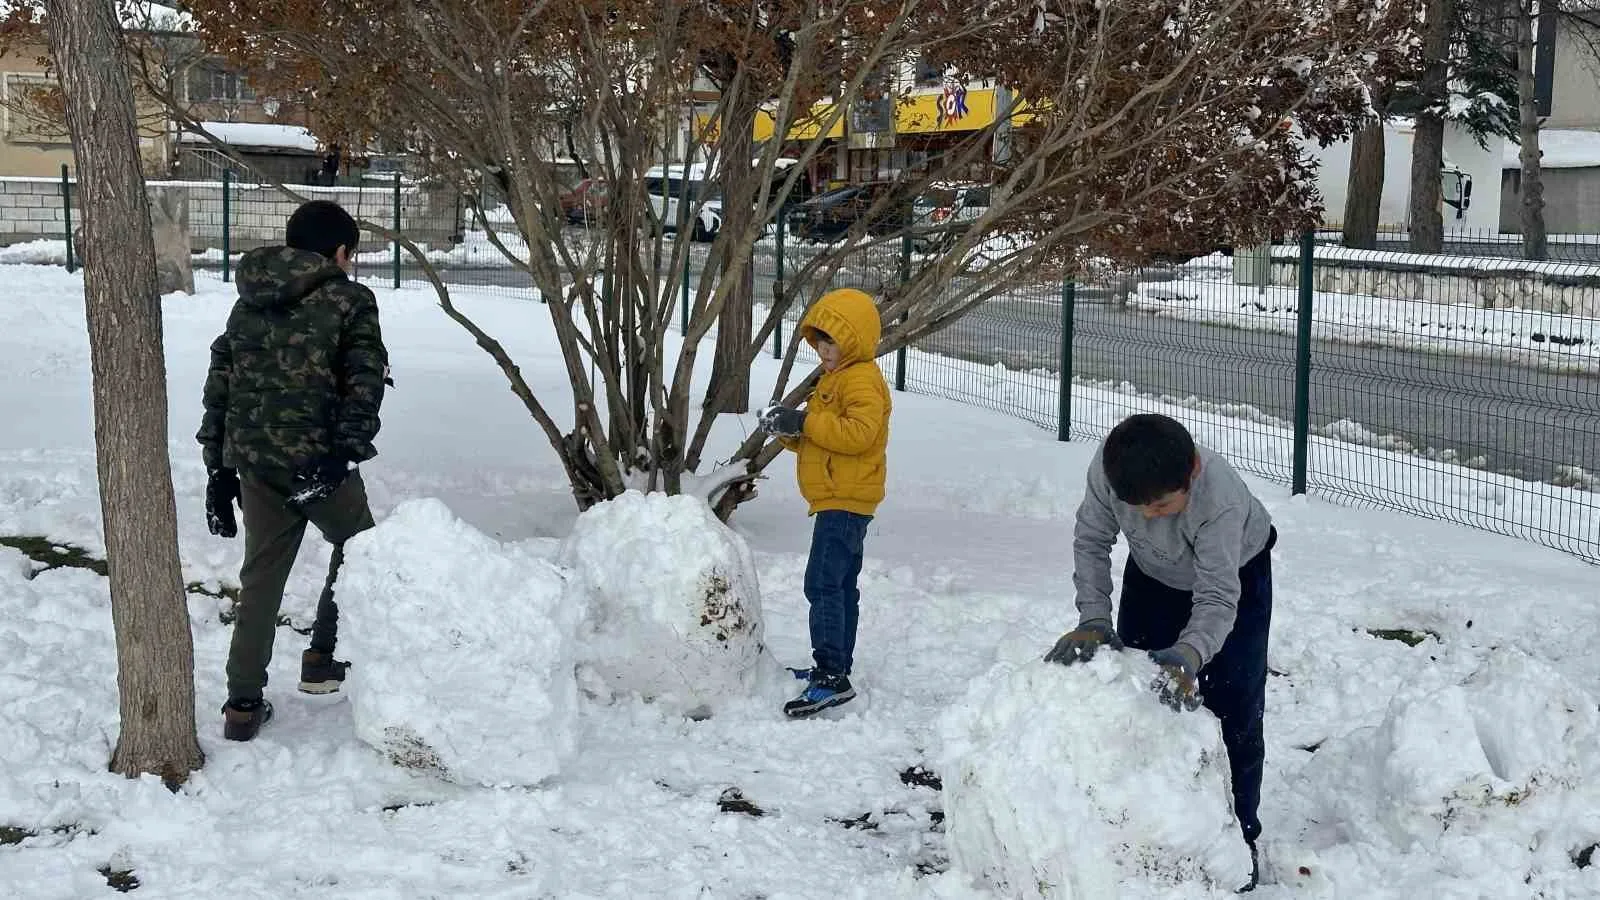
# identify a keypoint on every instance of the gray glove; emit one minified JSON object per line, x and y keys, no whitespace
{"x":1079,"y":644}
{"x":1178,"y":685}
{"x":783,"y":421}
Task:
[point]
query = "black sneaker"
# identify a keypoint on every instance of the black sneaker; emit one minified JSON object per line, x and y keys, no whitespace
{"x":1255,"y":870}
{"x":320,"y":673}
{"x":242,"y":719}
{"x":823,"y":691}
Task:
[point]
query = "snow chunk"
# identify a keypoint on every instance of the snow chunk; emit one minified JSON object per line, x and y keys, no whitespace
{"x":1077,"y":782}
{"x":461,"y":649}
{"x":255,"y":134}
{"x":1493,"y":777}
{"x":675,"y":614}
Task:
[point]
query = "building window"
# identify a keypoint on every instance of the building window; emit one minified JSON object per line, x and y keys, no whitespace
{"x":32,"y":111}
{"x":209,"y":84}
{"x":927,"y":73}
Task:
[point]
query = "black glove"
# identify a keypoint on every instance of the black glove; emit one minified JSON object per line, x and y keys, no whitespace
{"x":783,"y":421}
{"x":1178,"y":685}
{"x":222,"y":491}
{"x":316,"y":483}
{"x":1079,"y":644}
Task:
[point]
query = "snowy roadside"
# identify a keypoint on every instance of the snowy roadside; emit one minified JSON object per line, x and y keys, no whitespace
{"x":1540,"y":338}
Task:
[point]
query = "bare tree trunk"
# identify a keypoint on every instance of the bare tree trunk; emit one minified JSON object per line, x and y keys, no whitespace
{"x":1364,"y":188}
{"x":155,"y":652}
{"x":729,"y":371}
{"x":1427,"y":148}
{"x":1531,"y":214}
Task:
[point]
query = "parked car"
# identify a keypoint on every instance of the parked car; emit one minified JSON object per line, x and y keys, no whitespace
{"x":585,"y":202}
{"x":827,"y":217}
{"x":941,"y":213}
{"x":669,"y":186}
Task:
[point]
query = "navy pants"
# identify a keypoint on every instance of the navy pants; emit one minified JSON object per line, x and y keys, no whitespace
{"x":1234,"y":684}
{"x":837,"y":539}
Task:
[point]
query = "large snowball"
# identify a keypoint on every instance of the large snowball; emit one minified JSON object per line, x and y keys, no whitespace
{"x":461,"y":649}
{"x":674,"y":605}
{"x":1076,"y":782}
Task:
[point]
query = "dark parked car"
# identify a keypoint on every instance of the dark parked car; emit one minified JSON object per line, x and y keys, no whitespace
{"x":826,"y":217}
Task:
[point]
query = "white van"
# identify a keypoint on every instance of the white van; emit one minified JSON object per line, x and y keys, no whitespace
{"x":671,"y":185}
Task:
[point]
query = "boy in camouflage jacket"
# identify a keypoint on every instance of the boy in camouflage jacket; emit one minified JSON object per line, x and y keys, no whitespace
{"x":291,"y":405}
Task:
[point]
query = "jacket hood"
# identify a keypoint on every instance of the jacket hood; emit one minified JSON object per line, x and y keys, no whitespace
{"x":278,"y":276}
{"x":849,"y":317}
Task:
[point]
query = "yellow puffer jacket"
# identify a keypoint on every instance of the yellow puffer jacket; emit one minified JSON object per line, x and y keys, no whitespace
{"x":841,"y":458}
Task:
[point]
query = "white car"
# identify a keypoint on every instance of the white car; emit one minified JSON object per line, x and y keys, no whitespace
{"x":671,"y":185}
{"x":943,"y":211}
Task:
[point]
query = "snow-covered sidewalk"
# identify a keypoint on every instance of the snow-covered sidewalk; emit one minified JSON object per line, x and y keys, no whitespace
{"x":1465,"y":765}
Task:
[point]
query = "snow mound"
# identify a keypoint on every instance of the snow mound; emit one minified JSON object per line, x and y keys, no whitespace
{"x":1494,"y":777}
{"x":461,"y":649}
{"x":1076,"y":782}
{"x":675,"y":605}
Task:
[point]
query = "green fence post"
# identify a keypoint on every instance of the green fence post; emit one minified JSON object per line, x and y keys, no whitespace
{"x":1069,"y":300}
{"x":777,"y":294}
{"x":1302,"y":363}
{"x":905,"y":278}
{"x":227,"y":224}
{"x":66,"y":214}
{"x":396,"y":229}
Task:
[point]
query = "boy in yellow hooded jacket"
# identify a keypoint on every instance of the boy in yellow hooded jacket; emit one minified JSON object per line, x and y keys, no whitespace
{"x":840,"y":441}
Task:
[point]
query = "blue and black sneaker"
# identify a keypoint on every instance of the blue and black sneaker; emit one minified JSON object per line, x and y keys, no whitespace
{"x":822,"y":691}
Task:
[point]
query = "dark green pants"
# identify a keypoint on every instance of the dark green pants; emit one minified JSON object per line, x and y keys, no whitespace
{"x":272,"y":534}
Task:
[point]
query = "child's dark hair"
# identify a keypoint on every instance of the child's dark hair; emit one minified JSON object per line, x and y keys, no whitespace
{"x":323,"y":226}
{"x":1148,"y":456}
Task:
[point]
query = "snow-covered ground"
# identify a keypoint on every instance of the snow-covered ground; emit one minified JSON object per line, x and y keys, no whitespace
{"x":1544,"y":338}
{"x":1464,"y":766}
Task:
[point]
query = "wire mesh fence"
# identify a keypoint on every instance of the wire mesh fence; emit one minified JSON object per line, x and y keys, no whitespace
{"x":1462,"y":388}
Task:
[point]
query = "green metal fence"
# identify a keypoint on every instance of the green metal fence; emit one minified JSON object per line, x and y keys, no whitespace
{"x":1461,"y":388}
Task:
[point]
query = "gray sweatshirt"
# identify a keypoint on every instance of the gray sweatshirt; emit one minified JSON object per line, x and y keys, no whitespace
{"x":1200,"y":549}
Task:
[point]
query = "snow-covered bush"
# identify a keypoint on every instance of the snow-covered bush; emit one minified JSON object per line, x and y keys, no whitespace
{"x":1497,"y":777}
{"x":1078,"y":783}
{"x":674,"y":610}
{"x":461,"y":649}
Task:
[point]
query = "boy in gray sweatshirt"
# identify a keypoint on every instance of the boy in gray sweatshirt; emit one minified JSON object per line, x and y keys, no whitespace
{"x":1197,"y":588}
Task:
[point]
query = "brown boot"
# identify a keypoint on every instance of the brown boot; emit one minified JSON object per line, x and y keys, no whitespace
{"x":242,"y":719}
{"x":320,"y":673}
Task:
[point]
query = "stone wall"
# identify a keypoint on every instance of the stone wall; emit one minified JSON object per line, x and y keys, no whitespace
{"x":1567,"y":288}
{"x":31,"y":208}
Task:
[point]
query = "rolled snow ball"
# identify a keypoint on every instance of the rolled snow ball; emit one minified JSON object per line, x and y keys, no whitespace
{"x":462,"y":650}
{"x":673,"y":604}
{"x":1076,"y":782}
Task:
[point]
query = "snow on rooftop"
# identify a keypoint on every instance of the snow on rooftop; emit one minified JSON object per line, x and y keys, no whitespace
{"x":1562,"y":149}
{"x":256,"y":134}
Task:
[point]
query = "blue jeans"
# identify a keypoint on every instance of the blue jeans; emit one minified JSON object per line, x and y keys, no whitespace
{"x":1234,"y":684}
{"x":837,"y":540}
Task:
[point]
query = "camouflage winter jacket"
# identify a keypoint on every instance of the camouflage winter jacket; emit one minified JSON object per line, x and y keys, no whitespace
{"x":297,"y":375}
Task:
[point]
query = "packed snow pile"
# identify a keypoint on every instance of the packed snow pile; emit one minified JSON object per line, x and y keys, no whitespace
{"x":1497,"y":777}
{"x":461,"y":649}
{"x":1076,"y":782}
{"x":674,"y":611}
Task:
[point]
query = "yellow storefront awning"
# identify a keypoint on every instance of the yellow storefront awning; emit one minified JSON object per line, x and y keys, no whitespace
{"x":934,"y":112}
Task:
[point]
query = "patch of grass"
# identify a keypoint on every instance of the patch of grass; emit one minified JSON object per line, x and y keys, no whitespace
{"x":917,"y":776}
{"x":13,"y":834}
{"x":862,"y":822}
{"x":222,"y":593}
{"x":733,"y":800}
{"x":230,"y":614}
{"x":120,"y":880}
{"x":1584,"y":858}
{"x":53,"y":555}
{"x":1407,"y":636}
